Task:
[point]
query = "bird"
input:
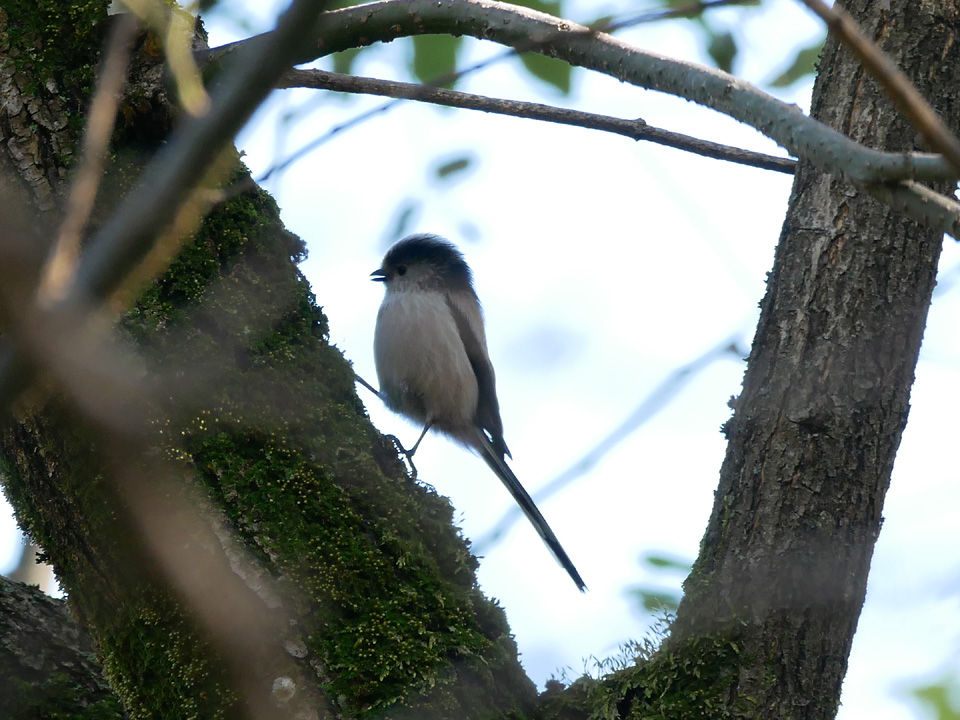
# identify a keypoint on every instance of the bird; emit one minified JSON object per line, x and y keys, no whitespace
{"x":430,"y":351}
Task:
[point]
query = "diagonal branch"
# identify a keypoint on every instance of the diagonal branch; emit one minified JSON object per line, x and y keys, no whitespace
{"x":528,"y":30}
{"x":634,"y":129}
{"x":169,"y":181}
{"x":900,"y":90}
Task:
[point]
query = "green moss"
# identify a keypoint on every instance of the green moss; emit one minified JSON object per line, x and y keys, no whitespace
{"x":381,"y":646}
{"x":697,"y":679}
{"x":254,"y":402}
{"x":156,"y":664}
{"x":56,"y":699}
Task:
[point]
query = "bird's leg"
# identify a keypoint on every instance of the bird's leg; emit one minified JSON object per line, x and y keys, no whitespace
{"x":367,"y":385}
{"x":412,"y":450}
{"x":407,"y":453}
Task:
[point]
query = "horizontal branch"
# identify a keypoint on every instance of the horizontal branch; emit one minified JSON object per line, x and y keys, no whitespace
{"x":635,"y":129}
{"x":528,"y":30}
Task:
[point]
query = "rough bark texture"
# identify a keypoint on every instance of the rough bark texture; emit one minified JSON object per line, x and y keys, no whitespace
{"x":783,"y":566}
{"x":370,"y":581}
{"x":47,"y":665}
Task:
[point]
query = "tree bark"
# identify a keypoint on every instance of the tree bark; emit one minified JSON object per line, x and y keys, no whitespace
{"x":47,"y":665}
{"x":783,"y":567}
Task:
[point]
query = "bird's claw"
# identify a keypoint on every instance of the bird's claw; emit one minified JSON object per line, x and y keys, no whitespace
{"x":406,"y":453}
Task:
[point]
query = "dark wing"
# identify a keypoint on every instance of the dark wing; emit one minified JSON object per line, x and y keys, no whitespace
{"x":470,"y":325}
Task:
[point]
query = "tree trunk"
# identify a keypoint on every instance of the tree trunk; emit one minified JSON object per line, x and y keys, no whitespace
{"x":47,"y":666}
{"x":782,"y":572}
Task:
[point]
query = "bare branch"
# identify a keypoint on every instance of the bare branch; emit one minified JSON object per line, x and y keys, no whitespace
{"x":921,"y":203}
{"x":528,"y":30}
{"x":658,"y":398}
{"x":634,"y":129}
{"x":900,"y":90}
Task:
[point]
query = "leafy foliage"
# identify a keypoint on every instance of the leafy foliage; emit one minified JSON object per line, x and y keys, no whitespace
{"x":942,"y":698}
{"x":805,"y":63}
{"x":654,"y":599}
{"x":435,"y":59}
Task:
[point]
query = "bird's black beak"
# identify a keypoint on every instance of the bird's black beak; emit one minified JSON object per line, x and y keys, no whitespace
{"x":378,"y":275}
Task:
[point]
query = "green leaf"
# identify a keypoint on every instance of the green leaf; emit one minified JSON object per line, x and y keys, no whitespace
{"x":805,"y":63}
{"x":667,"y":563}
{"x":435,"y":59}
{"x":343,"y":61}
{"x":452,"y":167}
{"x":941,"y":698}
{"x":403,"y":218}
{"x":550,"y":70}
{"x":722,"y":49}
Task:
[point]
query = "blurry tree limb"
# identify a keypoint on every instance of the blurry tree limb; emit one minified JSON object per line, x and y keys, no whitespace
{"x":633,"y":129}
{"x":62,"y":263}
{"x":132,"y":229}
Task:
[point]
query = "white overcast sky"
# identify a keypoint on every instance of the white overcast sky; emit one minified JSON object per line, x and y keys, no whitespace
{"x":604,"y":265}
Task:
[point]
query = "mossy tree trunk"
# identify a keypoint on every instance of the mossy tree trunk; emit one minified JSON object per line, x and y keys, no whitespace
{"x":373,"y":589}
{"x":374,"y":585}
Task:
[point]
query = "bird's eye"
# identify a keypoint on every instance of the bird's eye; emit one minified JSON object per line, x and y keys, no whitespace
{"x":401,"y":269}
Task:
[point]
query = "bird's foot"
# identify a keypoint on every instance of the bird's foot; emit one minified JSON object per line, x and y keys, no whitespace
{"x":408,"y":454}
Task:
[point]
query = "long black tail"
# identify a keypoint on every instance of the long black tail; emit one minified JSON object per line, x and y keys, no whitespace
{"x":526,"y":504}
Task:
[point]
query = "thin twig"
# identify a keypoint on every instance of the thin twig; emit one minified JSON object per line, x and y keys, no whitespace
{"x":648,"y":407}
{"x":901,"y":91}
{"x":634,"y":129}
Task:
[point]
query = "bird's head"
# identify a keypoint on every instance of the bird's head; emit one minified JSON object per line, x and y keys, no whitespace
{"x":424,"y":262}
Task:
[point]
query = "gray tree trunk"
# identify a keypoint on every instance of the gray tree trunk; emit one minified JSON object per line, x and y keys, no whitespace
{"x":783,"y":565}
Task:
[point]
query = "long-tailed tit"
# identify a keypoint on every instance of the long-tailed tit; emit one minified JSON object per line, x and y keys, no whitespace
{"x":432,"y":361}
